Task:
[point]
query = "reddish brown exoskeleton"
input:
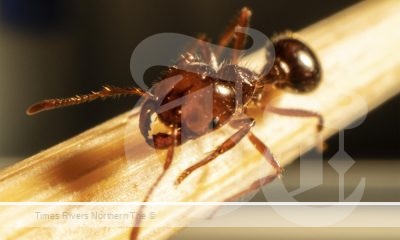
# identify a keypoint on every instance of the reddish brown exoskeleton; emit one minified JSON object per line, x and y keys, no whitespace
{"x":296,"y":68}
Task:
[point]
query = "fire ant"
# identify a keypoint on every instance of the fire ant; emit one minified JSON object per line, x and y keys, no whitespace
{"x":296,"y":68}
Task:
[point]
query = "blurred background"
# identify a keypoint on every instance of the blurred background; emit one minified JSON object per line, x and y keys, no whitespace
{"x":59,"y":48}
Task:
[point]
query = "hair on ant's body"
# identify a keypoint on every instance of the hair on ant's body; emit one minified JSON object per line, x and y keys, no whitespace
{"x":296,"y":68}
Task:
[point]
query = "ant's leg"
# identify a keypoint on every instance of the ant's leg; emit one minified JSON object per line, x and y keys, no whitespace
{"x":239,"y":38}
{"x":302,"y":113}
{"x":257,"y":143}
{"x":224,"y":147}
{"x":205,"y":51}
{"x":201,"y":48}
{"x":107,"y":91}
{"x":242,"y":21}
{"x":263,"y":149}
{"x":167,"y":164}
{"x":255,"y":186}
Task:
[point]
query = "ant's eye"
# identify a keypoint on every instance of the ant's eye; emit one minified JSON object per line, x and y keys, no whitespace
{"x":214,"y":123}
{"x":296,"y":67}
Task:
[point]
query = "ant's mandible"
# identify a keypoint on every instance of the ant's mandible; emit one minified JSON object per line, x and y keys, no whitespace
{"x":296,"y":68}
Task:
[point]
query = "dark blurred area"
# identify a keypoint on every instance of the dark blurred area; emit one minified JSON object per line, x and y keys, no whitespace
{"x":51,"y":48}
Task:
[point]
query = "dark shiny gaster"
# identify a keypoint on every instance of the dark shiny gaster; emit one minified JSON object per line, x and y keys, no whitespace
{"x":296,"y":68}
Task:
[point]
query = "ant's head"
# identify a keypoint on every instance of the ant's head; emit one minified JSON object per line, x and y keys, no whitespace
{"x":296,"y":68}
